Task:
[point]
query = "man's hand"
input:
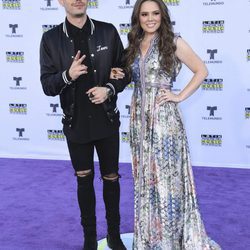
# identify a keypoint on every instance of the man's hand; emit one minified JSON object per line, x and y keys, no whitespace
{"x":98,"y":95}
{"x":77,"y":68}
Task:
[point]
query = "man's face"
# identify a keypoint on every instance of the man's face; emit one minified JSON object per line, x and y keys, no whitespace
{"x":74,"y":8}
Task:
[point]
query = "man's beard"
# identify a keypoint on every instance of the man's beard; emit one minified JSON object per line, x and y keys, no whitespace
{"x":79,"y":15}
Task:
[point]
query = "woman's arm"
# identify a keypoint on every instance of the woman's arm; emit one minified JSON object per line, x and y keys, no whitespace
{"x":187,"y":56}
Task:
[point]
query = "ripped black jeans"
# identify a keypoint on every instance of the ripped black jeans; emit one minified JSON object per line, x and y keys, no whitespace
{"x":82,"y":158}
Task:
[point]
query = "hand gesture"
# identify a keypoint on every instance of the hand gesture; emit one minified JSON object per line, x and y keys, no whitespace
{"x":77,"y":68}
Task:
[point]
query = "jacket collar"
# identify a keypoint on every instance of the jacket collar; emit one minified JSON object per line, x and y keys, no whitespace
{"x":91,"y":24}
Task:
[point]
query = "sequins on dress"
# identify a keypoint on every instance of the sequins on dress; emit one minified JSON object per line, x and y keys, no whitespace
{"x":167,"y":216}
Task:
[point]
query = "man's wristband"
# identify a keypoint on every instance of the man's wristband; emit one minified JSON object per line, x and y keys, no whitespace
{"x":109,"y":92}
{"x":111,"y":87}
{"x":66,"y":77}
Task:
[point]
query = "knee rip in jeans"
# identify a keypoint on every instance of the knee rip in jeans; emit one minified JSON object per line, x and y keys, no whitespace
{"x":111,"y":177}
{"x":83,"y":173}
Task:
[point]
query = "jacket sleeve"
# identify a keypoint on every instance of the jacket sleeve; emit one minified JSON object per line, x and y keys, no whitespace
{"x":53,"y":80}
{"x":118,"y":85}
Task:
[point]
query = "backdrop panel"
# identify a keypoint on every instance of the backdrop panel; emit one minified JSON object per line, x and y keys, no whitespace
{"x":217,"y":116}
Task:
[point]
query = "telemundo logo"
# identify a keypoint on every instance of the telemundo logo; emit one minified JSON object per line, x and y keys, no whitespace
{"x":49,"y":6}
{"x":127,"y":5}
{"x":54,"y":110}
{"x":13,"y":28}
{"x":126,"y":116}
{"x":213,"y":3}
{"x":17,"y":81}
{"x":20,"y":137}
{"x":212,"y":54}
{"x":211,"y":112}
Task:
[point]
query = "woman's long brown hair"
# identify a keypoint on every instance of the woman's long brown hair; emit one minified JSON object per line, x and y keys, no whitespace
{"x":166,"y":43}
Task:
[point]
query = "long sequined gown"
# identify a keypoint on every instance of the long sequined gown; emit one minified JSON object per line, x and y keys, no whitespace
{"x":167,"y":216}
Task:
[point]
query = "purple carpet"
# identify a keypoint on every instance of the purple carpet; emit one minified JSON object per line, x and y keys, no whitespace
{"x":39,"y":210}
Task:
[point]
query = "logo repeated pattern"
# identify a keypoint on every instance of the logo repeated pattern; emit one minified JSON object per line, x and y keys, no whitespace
{"x":33,"y":117}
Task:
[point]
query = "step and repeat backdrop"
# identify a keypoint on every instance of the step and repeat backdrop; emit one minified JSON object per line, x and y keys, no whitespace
{"x":217,"y":116}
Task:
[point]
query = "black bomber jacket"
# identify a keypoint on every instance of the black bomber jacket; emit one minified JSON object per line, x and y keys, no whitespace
{"x":56,"y":55}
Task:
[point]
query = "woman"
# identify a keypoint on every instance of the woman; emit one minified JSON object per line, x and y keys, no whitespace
{"x":167,"y":216}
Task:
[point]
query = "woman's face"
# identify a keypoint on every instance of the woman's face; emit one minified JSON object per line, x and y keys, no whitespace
{"x":150,"y":17}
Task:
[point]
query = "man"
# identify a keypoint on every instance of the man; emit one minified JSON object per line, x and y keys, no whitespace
{"x":76,"y":58}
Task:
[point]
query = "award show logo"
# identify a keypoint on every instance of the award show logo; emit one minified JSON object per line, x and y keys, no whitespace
{"x":127,"y":108}
{"x":172,"y":2}
{"x":212,"y":84}
{"x":49,"y":6}
{"x":47,"y":27}
{"x":210,"y":27}
{"x":211,"y":140}
{"x":247,"y":112}
{"x":18,"y":109}
{"x":15,"y":56}
{"x":213,"y":3}
{"x":124,"y":28}
{"x":93,"y":4}
{"x":212,"y":110}
{"x":20,"y":135}
{"x":13,"y":29}
{"x":54,"y":110}
{"x":248,"y":55}
{"x":212,"y":54}
{"x":11,"y":4}
{"x":130,"y":86}
{"x":127,"y":4}
{"x":55,"y":135}
{"x":125,"y":137}
{"x":18,"y":85}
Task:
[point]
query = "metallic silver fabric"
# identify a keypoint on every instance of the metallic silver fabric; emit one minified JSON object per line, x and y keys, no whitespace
{"x":167,"y":216}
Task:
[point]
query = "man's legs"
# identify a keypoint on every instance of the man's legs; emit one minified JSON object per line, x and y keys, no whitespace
{"x":82,"y":161}
{"x":108,"y":154}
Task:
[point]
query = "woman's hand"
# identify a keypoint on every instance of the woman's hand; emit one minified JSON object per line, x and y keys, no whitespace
{"x":116,"y":73}
{"x":167,"y":96}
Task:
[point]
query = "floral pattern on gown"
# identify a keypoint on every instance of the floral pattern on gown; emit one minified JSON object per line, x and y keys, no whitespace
{"x":167,"y":216}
